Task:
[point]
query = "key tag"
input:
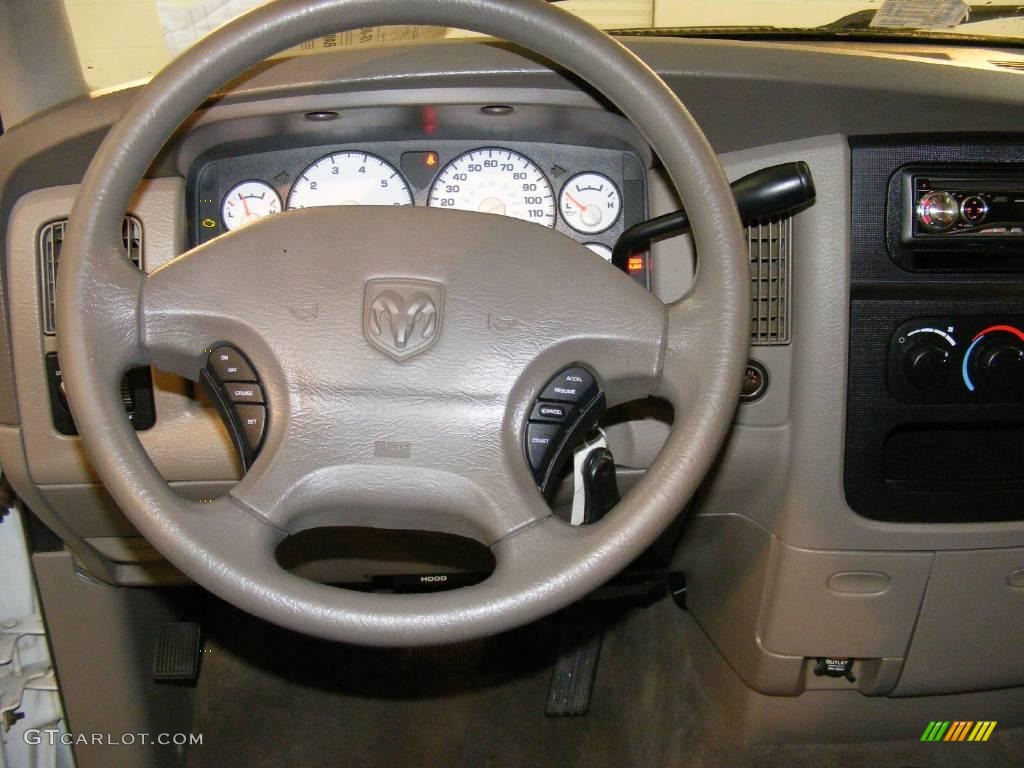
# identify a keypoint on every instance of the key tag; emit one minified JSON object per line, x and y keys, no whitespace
{"x":579,"y":457}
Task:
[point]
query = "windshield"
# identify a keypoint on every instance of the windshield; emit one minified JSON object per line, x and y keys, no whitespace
{"x":130,"y":40}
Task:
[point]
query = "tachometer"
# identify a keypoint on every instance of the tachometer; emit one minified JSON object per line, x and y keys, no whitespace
{"x":349,"y":178}
{"x":494,"y":180}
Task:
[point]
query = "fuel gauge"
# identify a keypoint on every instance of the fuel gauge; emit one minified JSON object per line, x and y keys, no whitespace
{"x":248,"y":201}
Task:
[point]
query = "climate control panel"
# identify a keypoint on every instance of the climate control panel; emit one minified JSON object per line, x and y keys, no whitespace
{"x":958,"y":360}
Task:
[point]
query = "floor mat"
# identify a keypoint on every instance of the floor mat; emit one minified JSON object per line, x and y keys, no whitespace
{"x":268,"y":698}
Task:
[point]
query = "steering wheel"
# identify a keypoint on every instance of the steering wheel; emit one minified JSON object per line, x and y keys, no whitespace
{"x":291,"y":291}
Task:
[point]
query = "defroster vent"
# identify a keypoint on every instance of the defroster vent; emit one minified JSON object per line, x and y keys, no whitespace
{"x":771,"y":268}
{"x":51,"y":239}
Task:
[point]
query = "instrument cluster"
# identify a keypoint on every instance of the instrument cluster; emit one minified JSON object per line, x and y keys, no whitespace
{"x":591,"y":194}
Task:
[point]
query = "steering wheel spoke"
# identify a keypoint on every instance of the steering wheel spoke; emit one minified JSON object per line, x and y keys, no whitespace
{"x":334,"y":464}
{"x":186,"y":309}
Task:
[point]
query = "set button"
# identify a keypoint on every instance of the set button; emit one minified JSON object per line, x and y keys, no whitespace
{"x":254,"y":422}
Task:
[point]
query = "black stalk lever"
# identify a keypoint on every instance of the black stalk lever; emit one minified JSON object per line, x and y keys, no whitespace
{"x":764,"y":194}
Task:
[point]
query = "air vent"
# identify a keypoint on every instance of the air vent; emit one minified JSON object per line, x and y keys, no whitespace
{"x":51,"y":239}
{"x":771,"y":265}
{"x":1015,"y":64}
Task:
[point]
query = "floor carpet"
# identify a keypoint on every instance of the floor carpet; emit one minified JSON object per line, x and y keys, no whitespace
{"x":267,"y":699}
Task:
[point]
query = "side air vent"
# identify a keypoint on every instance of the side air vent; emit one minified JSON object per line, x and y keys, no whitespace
{"x":771,"y":267}
{"x":51,"y":239}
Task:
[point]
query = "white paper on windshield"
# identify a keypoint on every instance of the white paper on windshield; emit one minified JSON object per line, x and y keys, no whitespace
{"x":920,"y":14}
{"x":186,"y":21}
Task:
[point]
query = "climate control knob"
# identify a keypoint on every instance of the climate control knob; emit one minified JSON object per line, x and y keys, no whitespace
{"x":927,"y":365}
{"x":1000,"y":365}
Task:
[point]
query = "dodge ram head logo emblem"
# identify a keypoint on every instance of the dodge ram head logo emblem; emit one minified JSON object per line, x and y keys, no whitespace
{"x":402,"y":318}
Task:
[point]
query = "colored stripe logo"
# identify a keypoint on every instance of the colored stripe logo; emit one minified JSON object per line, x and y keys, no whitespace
{"x":958,"y":730}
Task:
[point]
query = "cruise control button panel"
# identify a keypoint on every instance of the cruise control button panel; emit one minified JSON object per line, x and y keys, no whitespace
{"x":567,"y":409}
{"x":235,"y":387}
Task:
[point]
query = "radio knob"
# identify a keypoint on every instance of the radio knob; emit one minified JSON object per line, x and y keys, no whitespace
{"x":1001,"y":365}
{"x":937,"y":211}
{"x":974,"y":209}
{"x":928,"y":365}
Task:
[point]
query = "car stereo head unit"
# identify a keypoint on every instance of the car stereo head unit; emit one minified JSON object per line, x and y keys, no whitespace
{"x":969,"y":218}
{"x":947,"y":207}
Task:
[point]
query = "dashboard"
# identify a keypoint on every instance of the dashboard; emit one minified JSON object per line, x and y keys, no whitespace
{"x":838,"y":470}
{"x":591,"y":194}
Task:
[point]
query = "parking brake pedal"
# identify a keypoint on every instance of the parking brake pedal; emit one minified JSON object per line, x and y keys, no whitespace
{"x":176,"y":655}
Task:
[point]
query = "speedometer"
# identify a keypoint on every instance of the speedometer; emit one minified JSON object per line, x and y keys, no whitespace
{"x":349,"y":178}
{"x":494,"y":180}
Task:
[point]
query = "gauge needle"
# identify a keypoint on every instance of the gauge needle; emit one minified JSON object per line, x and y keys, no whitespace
{"x":590,"y":215}
{"x":576,"y":202}
{"x":244,"y":205}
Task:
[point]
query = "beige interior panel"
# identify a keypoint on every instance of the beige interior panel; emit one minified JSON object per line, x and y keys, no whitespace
{"x":968,"y":637}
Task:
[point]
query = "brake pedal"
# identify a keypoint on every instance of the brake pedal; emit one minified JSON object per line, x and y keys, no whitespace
{"x":176,"y":654}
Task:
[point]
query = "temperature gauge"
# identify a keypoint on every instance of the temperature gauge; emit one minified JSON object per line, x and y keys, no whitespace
{"x":590,"y":202}
{"x":248,"y":201}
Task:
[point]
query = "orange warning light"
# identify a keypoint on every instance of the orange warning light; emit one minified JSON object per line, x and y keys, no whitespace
{"x":430,"y":159}
{"x":635,"y":264}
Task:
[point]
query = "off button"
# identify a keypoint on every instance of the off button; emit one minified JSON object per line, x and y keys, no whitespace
{"x":573,"y":385}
